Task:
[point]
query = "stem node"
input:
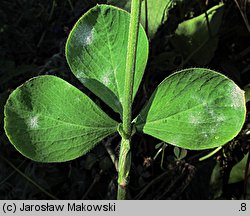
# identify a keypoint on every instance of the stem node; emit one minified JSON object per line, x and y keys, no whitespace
{"x":126,"y":129}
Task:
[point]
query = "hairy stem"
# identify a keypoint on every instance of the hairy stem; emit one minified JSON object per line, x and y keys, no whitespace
{"x":130,"y":65}
{"x":124,"y":169}
{"x":125,"y":155}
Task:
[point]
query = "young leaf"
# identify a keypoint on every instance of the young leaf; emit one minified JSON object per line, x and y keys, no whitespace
{"x":194,"y":109}
{"x":180,"y":153}
{"x":192,"y":37}
{"x":96,"y":52}
{"x":49,"y":120}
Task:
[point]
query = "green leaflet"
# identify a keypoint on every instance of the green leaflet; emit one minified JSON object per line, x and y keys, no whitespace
{"x":49,"y":120}
{"x":156,"y":15}
{"x":194,"y":109}
{"x":96,"y":53}
{"x":153,"y":14}
{"x":237,"y":173}
{"x":193,"y":40}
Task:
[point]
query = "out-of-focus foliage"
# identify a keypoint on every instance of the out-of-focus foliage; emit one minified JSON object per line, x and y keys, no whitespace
{"x":196,"y":39}
{"x":238,"y":171}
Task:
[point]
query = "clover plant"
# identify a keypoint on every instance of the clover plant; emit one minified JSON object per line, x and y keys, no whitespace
{"x":49,"y":120}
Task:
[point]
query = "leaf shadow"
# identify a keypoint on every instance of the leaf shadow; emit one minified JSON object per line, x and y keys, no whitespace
{"x":104,"y":93}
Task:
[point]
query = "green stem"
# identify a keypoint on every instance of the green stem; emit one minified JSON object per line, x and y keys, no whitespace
{"x":130,"y":65}
{"x":210,"y":154}
{"x":124,"y":169}
{"x":126,"y":131}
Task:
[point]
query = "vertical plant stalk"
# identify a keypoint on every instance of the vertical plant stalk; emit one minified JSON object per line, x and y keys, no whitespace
{"x":130,"y":65}
{"x":126,"y":130}
{"x":146,"y":15}
{"x":124,"y":169}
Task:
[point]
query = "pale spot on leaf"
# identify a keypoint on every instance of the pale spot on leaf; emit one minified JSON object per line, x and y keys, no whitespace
{"x":236,"y":94}
{"x":85,"y":36}
{"x":83,"y":80}
{"x":205,"y":135}
{"x":80,"y":75}
{"x":211,"y":113}
{"x":213,"y":129}
{"x":106,"y":80}
{"x":89,"y":39}
{"x":194,"y":119}
{"x":221,"y":118}
{"x":33,"y":122}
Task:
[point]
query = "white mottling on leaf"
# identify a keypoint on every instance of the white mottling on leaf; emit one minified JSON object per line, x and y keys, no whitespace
{"x":212,"y":130}
{"x":83,"y":80}
{"x":33,"y":122}
{"x":80,"y":75}
{"x":106,"y":80}
{"x":84,"y":35}
{"x":88,"y":39}
{"x":194,"y":119}
{"x":221,"y":118}
{"x":236,"y":95}
{"x":197,"y":99}
{"x":211,"y":113}
{"x":205,"y":135}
